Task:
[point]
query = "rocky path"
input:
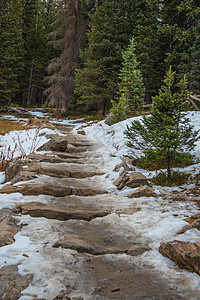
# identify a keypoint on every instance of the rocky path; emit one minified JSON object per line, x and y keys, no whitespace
{"x":81,"y":248}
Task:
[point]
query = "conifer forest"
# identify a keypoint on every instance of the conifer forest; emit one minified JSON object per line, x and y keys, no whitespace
{"x":96,"y":55}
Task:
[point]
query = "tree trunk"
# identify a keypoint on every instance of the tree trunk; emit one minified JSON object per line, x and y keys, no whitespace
{"x":168,"y":168}
{"x":103,"y":108}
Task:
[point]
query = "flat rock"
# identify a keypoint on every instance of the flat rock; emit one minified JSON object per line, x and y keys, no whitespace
{"x":51,"y":190}
{"x":64,"y":170}
{"x":81,"y":245}
{"x":9,"y":227}
{"x":136,"y":179}
{"x":12,"y":169}
{"x":131,"y":179}
{"x":23,"y":176}
{"x":57,"y":143}
{"x":11,"y":283}
{"x":194,"y":222}
{"x":185,"y":254}
{"x":37,"y":209}
{"x":142,"y":191}
{"x":99,"y":238}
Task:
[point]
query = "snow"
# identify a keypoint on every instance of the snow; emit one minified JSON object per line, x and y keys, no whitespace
{"x":156,"y":220}
{"x":13,"y":118}
{"x":38,"y":114}
{"x":2,"y":177}
{"x":24,"y":142}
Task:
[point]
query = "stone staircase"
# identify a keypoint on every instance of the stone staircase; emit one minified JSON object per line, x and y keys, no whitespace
{"x":78,"y":210}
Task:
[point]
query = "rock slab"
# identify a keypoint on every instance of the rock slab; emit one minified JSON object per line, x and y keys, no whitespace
{"x":142,"y":191}
{"x":131,"y":179}
{"x":185,"y":254}
{"x":11,"y":283}
{"x":194,"y":222}
{"x":9,"y":228}
{"x":37,"y":209}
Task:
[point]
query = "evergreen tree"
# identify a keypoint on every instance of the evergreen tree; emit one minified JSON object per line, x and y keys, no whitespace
{"x":180,"y":38}
{"x":131,"y":88}
{"x":166,"y":135}
{"x":37,"y":16}
{"x":111,"y":30}
{"x":148,"y":46}
{"x":11,"y":49}
{"x":67,"y":38}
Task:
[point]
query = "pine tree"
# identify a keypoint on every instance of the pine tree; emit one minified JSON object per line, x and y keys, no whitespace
{"x":166,"y":135}
{"x":111,"y":30}
{"x":37,"y":15}
{"x":11,"y":49}
{"x":131,"y":88}
{"x":148,"y":46}
{"x":67,"y":38}
{"x":180,"y":38}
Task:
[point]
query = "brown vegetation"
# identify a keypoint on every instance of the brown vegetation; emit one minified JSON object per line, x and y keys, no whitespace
{"x":8,"y":125}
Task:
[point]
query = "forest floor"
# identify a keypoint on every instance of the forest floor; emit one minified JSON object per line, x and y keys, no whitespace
{"x":76,"y":236}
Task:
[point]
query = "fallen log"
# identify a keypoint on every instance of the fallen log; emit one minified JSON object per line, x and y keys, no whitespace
{"x":19,"y":111}
{"x":195,"y":97}
{"x":147,"y":105}
{"x":194,"y":104}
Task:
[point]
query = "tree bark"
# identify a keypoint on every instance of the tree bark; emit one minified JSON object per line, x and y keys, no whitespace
{"x":194,"y":97}
{"x":194,"y":104}
{"x":168,"y":168}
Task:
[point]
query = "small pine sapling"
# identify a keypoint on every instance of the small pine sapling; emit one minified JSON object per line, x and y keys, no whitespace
{"x":166,"y":134}
{"x":131,"y":88}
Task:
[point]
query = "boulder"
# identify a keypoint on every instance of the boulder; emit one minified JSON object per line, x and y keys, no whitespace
{"x":131,"y":179}
{"x":8,"y":226}
{"x":57,"y":143}
{"x":185,"y":254}
{"x":194,"y":222}
{"x":37,"y":209}
{"x":23,"y":176}
{"x":12,"y":169}
{"x":120,"y":182}
{"x":142,"y":191}
{"x":52,"y":145}
{"x":136,"y":179}
{"x":11,"y":283}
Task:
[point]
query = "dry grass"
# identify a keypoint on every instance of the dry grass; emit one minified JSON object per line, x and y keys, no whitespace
{"x":8,"y":125}
{"x":6,"y":153}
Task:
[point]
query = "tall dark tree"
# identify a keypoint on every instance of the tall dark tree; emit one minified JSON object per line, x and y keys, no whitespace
{"x":67,"y":37}
{"x":11,"y":49}
{"x":111,"y":29}
{"x":148,"y":47}
{"x":37,"y":15}
{"x":180,"y":38}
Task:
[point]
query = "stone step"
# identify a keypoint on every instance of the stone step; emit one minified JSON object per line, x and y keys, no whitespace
{"x":98,"y":237}
{"x":51,"y":190}
{"x":12,"y":283}
{"x":37,"y":209}
{"x":65,"y":155}
{"x":64,"y":170}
